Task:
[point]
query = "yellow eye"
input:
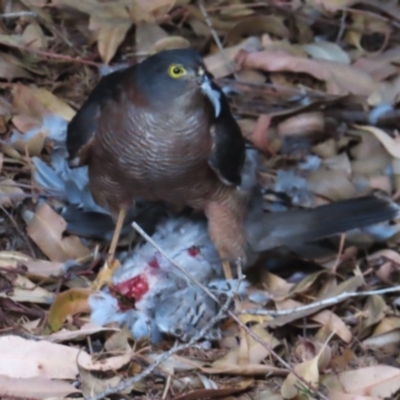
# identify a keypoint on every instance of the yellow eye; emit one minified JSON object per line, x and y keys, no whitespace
{"x":176,"y":71}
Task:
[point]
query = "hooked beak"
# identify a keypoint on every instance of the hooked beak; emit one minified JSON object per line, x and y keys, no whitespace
{"x":206,"y":86}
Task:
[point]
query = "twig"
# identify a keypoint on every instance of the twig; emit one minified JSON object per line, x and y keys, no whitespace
{"x":137,"y":378}
{"x":340,"y":252}
{"x":230,"y":313}
{"x":18,"y":14}
{"x":61,"y":57}
{"x":20,"y":232}
{"x":322,"y":303}
{"x":342,"y":26}
{"x":215,"y":36}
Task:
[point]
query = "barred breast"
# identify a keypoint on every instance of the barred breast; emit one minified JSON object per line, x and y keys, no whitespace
{"x":158,"y":155}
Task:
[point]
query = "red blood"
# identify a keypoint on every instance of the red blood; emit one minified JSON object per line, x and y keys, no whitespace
{"x":153,"y":263}
{"x":134,"y":288}
{"x":193,"y":251}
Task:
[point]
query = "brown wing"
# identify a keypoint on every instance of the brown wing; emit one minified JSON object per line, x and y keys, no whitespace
{"x":82,"y":127}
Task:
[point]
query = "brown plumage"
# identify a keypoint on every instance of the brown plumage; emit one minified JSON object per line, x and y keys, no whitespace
{"x":164,"y":131}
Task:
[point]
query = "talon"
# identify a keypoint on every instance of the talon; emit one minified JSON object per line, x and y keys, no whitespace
{"x":104,"y":277}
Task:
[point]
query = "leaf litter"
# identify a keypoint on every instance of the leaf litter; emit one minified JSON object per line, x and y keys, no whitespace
{"x":312,"y":83}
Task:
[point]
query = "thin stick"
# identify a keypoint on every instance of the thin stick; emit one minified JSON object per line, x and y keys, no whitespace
{"x":116,"y":235}
{"x":18,"y":14}
{"x":215,"y":36}
{"x":20,"y":232}
{"x":340,"y":252}
{"x":323,"y":303}
{"x":43,"y":53}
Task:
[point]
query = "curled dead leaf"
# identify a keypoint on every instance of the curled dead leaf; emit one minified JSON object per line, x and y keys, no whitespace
{"x":378,"y":381}
{"x":392,"y":145}
{"x":304,"y":124}
{"x":46,"y":230}
{"x":10,"y":192}
{"x":339,"y":78}
{"x":70,"y":302}
{"x":11,"y":68}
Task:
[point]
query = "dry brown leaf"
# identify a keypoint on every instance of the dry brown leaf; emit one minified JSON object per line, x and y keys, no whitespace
{"x":35,"y":388}
{"x":339,"y":395}
{"x":31,"y":144}
{"x":333,"y":5}
{"x":386,"y":343}
{"x":381,"y":66}
{"x":68,"y":303}
{"x":37,"y":102}
{"x":118,"y":341}
{"x":377,"y":381}
{"x":11,"y":40}
{"x":112,"y":363}
{"x":36,"y":268}
{"x":112,"y":20}
{"x":307,"y":370}
{"x":221,"y":65}
{"x":234,"y":388}
{"x":339,"y":162}
{"x":340,"y":79}
{"x":303,"y":124}
{"x":309,"y":349}
{"x":276,"y":286}
{"x":371,"y":167}
{"x":11,"y":68}
{"x":387,"y":272}
{"x":110,"y":35}
{"x":255,"y":352}
{"x":10,"y":192}
{"x":310,"y":280}
{"x":26,"y":291}
{"x":169,"y":43}
{"x":53,"y":104}
{"x":377,"y":69}
{"x":25,"y":123}
{"x":64,"y":335}
{"x":389,"y":92}
{"x":33,"y":36}
{"x":348,"y":286}
{"x":245,"y":370}
{"x":259,"y":136}
{"x":329,"y":51}
{"x":334,"y":324}
{"x":91,"y":385}
{"x":388,"y":324}
{"x":271,"y":44}
{"x":392,"y":145}
{"x":331,"y":184}
{"x":46,"y":229}
{"x":256,"y":25}
{"x":374,"y":310}
{"x":148,"y":33}
{"x":389,"y":254}
{"x":23,"y":358}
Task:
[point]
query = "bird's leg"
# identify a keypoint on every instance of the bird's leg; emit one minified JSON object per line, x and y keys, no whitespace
{"x":104,"y":276}
{"x":117,"y":232}
{"x":226,"y":265}
{"x":226,"y":228}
